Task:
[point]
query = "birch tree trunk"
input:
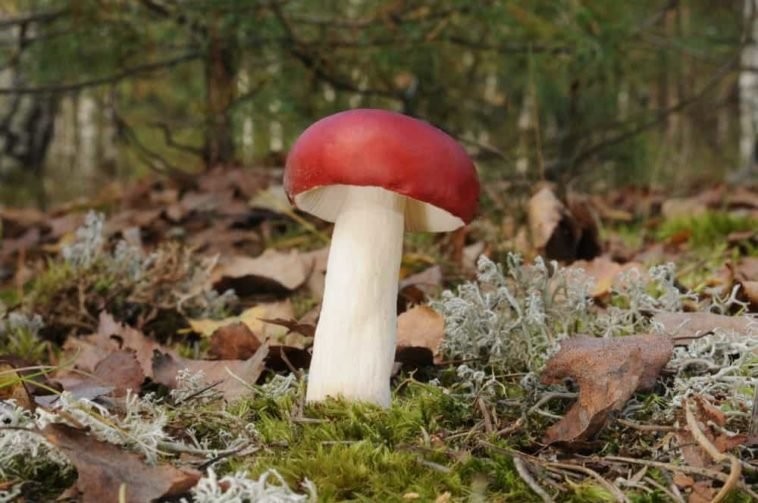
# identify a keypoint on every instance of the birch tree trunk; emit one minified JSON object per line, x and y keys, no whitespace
{"x":748,"y":86}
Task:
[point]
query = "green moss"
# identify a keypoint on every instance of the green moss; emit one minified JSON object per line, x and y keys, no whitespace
{"x":358,"y":452}
{"x":709,"y":229}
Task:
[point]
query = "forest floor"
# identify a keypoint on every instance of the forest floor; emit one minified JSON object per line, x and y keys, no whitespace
{"x":154,"y":342}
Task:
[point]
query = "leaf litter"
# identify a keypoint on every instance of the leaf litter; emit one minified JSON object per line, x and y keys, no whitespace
{"x":165,"y":375}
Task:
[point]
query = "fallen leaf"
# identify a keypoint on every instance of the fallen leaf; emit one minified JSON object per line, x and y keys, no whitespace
{"x":746,"y":274}
{"x":12,"y":386}
{"x":104,"y":470}
{"x":234,"y":376}
{"x":608,"y":371}
{"x":112,"y":336}
{"x":555,"y":231}
{"x":253,"y":318}
{"x":604,"y":271}
{"x":120,"y":370}
{"x":702,"y":492}
{"x":683,"y":207}
{"x":694,"y":325}
{"x":233,"y":342}
{"x":420,"y":331}
{"x":288,"y":270}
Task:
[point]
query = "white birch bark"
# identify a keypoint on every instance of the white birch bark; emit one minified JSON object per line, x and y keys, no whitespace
{"x":748,"y":87}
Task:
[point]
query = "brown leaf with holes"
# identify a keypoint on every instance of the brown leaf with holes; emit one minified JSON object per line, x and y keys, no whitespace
{"x":420,"y":331}
{"x":608,"y":371}
{"x":234,"y":377}
{"x":103,"y":469}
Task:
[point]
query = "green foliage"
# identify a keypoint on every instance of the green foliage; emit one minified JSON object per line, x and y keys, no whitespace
{"x":709,"y":229}
{"x":602,"y":75}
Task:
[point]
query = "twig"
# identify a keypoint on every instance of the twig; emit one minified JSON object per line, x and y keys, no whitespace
{"x":615,"y":491}
{"x":705,"y":472}
{"x":718,"y":456}
{"x":99,"y":81}
{"x":526,"y":476}
{"x":671,"y":494}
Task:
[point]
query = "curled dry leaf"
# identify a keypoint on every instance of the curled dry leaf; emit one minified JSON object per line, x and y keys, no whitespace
{"x":104,"y":470}
{"x":234,"y":377}
{"x":420,"y":331}
{"x":608,"y":371}
{"x":561,"y":233}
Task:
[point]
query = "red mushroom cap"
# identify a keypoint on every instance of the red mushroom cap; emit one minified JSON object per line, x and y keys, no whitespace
{"x":367,"y":147}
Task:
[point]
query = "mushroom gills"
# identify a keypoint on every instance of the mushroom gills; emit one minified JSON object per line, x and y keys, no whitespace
{"x":326,"y":203}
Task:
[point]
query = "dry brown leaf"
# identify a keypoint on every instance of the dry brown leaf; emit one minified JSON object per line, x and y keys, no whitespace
{"x":702,"y":492}
{"x":746,"y":274}
{"x":286,"y":269}
{"x":608,"y":371}
{"x":121,"y":370}
{"x":112,"y":336}
{"x":234,"y":376}
{"x":683,"y":207}
{"x":560,"y":233}
{"x":233,"y":342}
{"x":683,"y":481}
{"x":252,"y":318}
{"x":12,"y":386}
{"x":605,"y":271}
{"x":420,"y":331}
{"x":694,"y":325}
{"x":103,"y":469}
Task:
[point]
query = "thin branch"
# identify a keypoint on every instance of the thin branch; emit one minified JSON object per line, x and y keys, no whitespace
{"x":168,"y":137}
{"x":99,"y":81}
{"x":528,"y":479}
{"x":735,"y":471}
{"x":661,"y":116}
{"x":30,"y":17}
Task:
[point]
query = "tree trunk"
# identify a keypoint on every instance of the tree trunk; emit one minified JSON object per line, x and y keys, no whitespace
{"x":748,"y":85}
{"x":221,"y":65}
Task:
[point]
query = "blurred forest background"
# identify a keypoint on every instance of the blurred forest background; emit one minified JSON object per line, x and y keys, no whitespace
{"x":589,"y":93}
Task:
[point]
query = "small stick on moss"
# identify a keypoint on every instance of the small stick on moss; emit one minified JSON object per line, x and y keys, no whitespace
{"x":735,"y":470}
{"x":488,"y":427}
{"x":612,"y":488}
{"x":546,"y":398}
{"x":680,"y":468}
{"x":526,"y":476}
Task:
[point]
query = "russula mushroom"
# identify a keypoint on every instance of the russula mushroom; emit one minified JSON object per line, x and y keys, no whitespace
{"x":374,"y":173}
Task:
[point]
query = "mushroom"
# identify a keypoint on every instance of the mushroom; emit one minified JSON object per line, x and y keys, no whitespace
{"x":374,"y":173}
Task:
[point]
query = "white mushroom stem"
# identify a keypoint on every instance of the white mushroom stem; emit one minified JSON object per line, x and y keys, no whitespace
{"x":354,"y":347}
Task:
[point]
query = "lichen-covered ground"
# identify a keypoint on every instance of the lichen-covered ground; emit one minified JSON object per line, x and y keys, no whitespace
{"x":157,"y":346}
